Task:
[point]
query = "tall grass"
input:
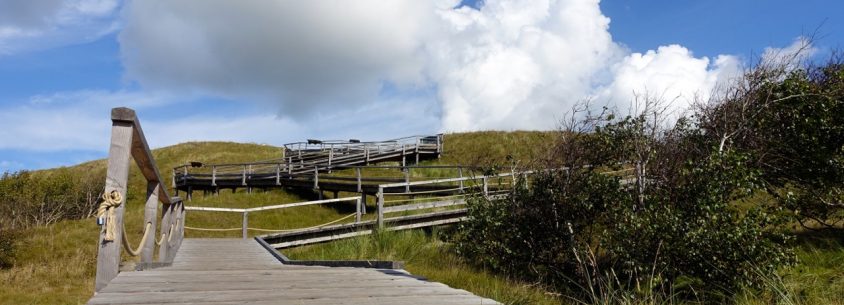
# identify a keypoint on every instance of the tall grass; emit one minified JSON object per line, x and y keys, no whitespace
{"x":427,"y":255}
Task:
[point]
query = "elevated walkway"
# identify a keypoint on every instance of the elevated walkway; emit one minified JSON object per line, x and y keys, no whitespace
{"x":241,"y":271}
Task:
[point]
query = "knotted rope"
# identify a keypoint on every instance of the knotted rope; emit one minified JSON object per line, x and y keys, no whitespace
{"x":111,"y":201}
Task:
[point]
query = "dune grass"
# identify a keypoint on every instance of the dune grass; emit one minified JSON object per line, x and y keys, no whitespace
{"x":425,"y":254}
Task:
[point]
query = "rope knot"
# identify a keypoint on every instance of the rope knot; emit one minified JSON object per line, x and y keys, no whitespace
{"x":111,"y":201}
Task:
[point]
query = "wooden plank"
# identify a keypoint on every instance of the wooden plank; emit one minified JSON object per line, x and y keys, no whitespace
{"x":117,"y":175}
{"x":424,"y":205}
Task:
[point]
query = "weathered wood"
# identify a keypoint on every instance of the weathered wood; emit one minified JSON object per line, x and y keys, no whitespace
{"x":245,"y":223}
{"x":236,"y":271}
{"x":140,"y":149}
{"x":357,"y":174}
{"x":407,"y":180}
{"x":166,"y":221}
{"x":357,"y":210}
{"x":117,"y":176}
{"x":150,"y":216}
{"x":380,"y":206}
{"x":213,"y":175}
{"x":424,"y":205}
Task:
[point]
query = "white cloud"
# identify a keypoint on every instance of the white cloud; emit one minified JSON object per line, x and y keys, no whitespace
{"x":41,"y":24}
{"x":792,"y":55}
{"x":510,"y":65}
{"x":671,"y":73}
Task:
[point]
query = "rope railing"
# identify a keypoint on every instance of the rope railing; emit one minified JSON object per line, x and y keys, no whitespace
{"x":246,"y":211}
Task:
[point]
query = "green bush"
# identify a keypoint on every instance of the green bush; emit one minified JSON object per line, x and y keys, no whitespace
{"x":7,"y":248}
{"x":40,"y":198}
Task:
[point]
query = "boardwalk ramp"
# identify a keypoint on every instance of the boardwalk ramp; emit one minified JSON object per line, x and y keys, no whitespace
{"x":241,"y":271}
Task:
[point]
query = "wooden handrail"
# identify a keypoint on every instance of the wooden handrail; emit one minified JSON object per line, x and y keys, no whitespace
{"x":128,"y":140}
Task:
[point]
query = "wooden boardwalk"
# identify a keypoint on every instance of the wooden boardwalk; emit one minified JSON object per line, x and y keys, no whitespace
{"x":238,"y":271}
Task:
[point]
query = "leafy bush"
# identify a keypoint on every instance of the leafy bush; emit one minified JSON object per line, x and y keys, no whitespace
{"x":41,"y":198}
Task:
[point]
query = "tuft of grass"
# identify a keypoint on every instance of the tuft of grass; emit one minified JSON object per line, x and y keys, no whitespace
{"x":427,"y":255}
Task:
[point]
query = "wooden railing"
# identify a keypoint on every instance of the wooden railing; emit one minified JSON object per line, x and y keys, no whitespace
{"x":451,"y":192}
{"x":127,"y":140}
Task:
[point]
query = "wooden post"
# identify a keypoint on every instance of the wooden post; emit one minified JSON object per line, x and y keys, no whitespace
{"x":486,"y":188}
{"x":243,"y":176}
{"x":407,"y":180}
{"x":366,"y":153}
{"x":278,"y":174}
{"x":357,"y":210}
{"x":150,"y":216}
{"x":213,"y":175}
{"x":245,"y":223}
{"x":330,"y":156}
{"x":460,"y":173}
{"x":363,"y":198}
{"x":178,"y":232}
{"x":439,"y":145}
{"x":380,"y":197}
{"x":360,"y":185}
{"x":117,"y":176}
{"x":166,"y":221}
{"x":316,"y":177}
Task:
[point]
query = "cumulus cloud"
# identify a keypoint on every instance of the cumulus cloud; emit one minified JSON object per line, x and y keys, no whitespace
{"x":508,"y":65}
{"x":671,"y":74}
{"x":40,"y":24}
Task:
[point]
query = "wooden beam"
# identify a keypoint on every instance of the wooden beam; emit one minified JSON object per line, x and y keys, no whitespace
{"x":117,"y":176}
{"x":140,"y":149}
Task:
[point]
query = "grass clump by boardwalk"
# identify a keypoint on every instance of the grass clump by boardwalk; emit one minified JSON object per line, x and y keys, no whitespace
{"x":426,"y":254}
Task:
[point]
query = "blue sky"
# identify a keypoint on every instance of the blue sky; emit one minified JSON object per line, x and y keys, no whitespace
{"x":275,"y":72}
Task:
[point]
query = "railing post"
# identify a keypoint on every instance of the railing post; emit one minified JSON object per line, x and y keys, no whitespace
{"x":213,"y":175}
{"x":178,"y":231}
{"x":330,"y":156}
{"x":460,"y":173}
{"x":366,"y":152}
{"x":166,"y":222}
{"x":360,"y":185}
{"x":380,"y":202}
{"x":117,"y":176}
{"x":486,"y":188}
{"x":245,"y":223}
{"x":243,"y":176}
{"x":150,"y":216}
{"x":316,"y":177}
{"x":439,"y":145}
{"x":278,"y":174}
{"x":407,"y":180}
{"x":417,"y":151}
{"x":357,"y":209}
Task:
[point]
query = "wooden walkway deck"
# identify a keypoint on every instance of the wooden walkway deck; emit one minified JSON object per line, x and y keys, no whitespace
{"x":238,"y":271}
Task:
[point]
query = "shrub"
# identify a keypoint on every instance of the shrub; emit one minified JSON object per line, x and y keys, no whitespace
{"x":7,"y":248}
